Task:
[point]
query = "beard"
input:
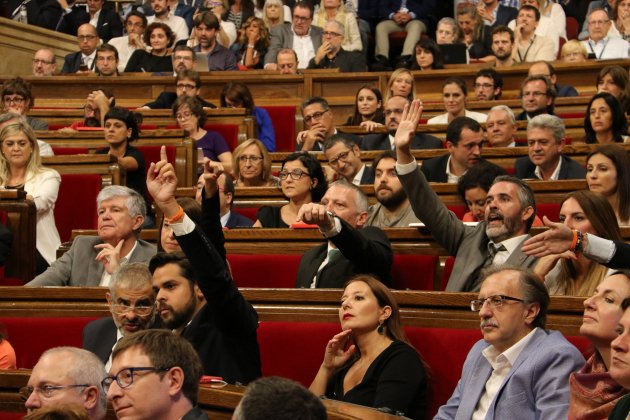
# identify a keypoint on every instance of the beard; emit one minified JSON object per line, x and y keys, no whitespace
{"x":504,"y":231}
{"x":176,"y":318}
{"x":504,"y":55}
{"x":393,"y":200}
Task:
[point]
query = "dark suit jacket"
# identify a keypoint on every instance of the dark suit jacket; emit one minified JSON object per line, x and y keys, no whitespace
{"x":99,"y":337}
{"x":563,"y":91}
{"x":381,"y":142}
{"x":108,"y":26}
{"x":570,"y":169}
{"x":282,"y":37}
{"x":345,"y":61}
{"x":368,"y":176}
{"x":365,"y":250}
{"x":621,"y":257}
{"x":72,"y":62}
{"x":504,"y":15}
{"x":165,"y":100}
{"x":238,"y":220}
{"x":523,"y":115}
{"x":44,"y":13}
{"x":422,"y":8}
{"x":434,"y":169}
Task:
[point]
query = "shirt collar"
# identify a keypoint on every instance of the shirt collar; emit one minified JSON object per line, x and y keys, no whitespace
{"x":510,"y":355}
{"x":512,"y":243}
{"x":554,"y":174}
{"x":358,"y":176}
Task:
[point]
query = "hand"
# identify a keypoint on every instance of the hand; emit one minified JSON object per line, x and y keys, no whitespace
{"x":407,"y":127}
{"x":161,"y":184}
{"x":404,"y":18}
{"x":99,"y":100}
{"x":309,"y":138}
{"x":316,"y":214}
{"x":370,"y":125}
{"x":109,"y":256}
{"x":335,"y":356}
{"x":556,"y":240}
{"x":253,"y":35}
{"x":322,"y":51}
{"x":485,"y":15}
{"x":136,"y":40}
{"x":211,"y":173}
{"x":547,"y":263}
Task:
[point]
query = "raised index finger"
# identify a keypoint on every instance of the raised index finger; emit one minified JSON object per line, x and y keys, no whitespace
{"x":163,"y":155}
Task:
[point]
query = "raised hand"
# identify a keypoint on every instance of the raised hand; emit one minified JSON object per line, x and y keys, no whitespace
{"x":211,"y":172}
{"x":406,"y":130}
{"x":556,"y":240}
{"x":109,"y":255}
{"x":316,"y":214}
{"x":336,"y":354}
{"x":162,"y":183}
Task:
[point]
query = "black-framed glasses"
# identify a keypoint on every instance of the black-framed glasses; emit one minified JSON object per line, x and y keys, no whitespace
{"x":343,"y":156}
{"x":495,"y":301}
{"x":316,"y":116}
{"x":124,"y":377}
{"x":295,"y":174}
{"x":252,"y":158}
{"x":331,"y":34}
{"x":16,"y":100}
{"x":47,"y":391}
{"x":37,"y":61}
{"x":141,"y":310}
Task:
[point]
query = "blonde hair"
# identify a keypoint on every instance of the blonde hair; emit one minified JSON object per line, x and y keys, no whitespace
{"x":266,"y":162}
{"x":34,"y":165}
{"x":573,"y":45}
{"x":265,"y":19}
{"x":393,"y":77}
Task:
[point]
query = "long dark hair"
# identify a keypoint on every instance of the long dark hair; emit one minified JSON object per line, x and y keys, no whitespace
{"x":379,"y":116}
{"x":619,"y":125}
{"x":621,"y":160}
{"x":431,"y":46}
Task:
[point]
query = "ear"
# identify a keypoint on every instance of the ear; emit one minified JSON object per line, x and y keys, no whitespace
{"x":228,"y":198}
{"x":532,"y":311}
{"x":91,"y":398}
{"x":362,"y":218}
{"x":497,"y":91}
{"x":356,"y":150}
{"x":138,"y":221}
{"x":386,"y":312}
{"x":129,"y":131}
{"x":175,"y":376}
{"x":198,"y":293}
{"x":314,"y":182}
{"x":110,"y":298}
{"x":449,"y":145}
{"x":527,"y":213}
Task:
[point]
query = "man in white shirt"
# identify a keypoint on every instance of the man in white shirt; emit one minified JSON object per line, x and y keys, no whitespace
{"x":344,"y":157}
{"x":601,"y":44}
{"x":519,"y":370}
{"x":501,"y":127}
{"x":162,"y":14}
{"x":135,"y":24}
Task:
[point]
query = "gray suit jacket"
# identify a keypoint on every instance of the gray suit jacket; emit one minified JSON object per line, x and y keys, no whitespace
{"x":78,"y":266}
{"x":537,"y":386}
{"x":282,"y":37}
{"x":468,"y":244}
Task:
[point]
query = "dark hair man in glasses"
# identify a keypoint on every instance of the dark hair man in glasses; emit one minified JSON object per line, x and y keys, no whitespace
{"x":131,"y":301}
{"x":519,"y":370}
{"x":344,"y":157}
{"x":351,"y":248}
{"x":187,"y":82}
{"x":155,"y":375}
{"x":67,"y":375}
{"x":318,"y":125}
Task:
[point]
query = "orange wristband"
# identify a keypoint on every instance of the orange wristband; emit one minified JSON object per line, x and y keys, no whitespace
{"x":178,"y":216}
{"x":574,"y":242}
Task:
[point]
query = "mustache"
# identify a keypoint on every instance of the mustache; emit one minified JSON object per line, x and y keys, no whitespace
{"x":495,"y":214}
{"x":488,"y":323}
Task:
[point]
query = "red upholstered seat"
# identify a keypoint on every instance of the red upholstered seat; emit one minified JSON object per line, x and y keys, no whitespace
{"x":264,"y":270}
{"x":414,"y":272}
{"x":458,"y":210}
{"x":30,"y":337}
{"x":572,"y":28}
{"x":70,"y":150}
{"x":283,"y":119}
{"x":551,"y":210}
{"x":249,"y":212}
{"x":76,"y":203}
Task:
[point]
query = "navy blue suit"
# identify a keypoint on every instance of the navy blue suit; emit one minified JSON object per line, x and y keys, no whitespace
{"x":108,"y":25}
{"x":238,"y":220}
{"x":570,"y":169}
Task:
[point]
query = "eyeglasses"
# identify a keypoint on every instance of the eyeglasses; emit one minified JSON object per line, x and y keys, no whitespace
{"x":185,"y":86}
{"x":495,"y":302}
{"x":15,"y":100}
{"x":252,"y":159}
{"x":301,"y":18}
{"x":331,"y":34}
{"x":182,"y":58}
{"x":314,"y":117}
{"x":296,"y":174}
{"x":598,"y":22}
{"x":86,"y":37}
{"x":483,"y":85}
{"x":124,"y":377}
{"x":183,"y":116}
{"x":37,"y":61}
{"x":138,"y":310}
{"x":534,"y":94}
{"x":47,"y":391}
{"x":343,"y":156}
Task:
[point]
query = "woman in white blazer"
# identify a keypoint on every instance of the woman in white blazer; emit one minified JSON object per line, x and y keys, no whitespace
{"x":21,"y":168}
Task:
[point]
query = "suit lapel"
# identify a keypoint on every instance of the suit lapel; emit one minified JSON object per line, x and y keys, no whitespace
{"x":518,"y":257}
{"x":477,"y":384}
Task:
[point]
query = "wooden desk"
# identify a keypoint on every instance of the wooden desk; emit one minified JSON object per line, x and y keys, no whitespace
{"x":21,"y":221}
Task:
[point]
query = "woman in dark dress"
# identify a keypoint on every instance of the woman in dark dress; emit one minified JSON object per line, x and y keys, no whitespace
{"x":160,"y":37}
{"x":370,"y":362}
{"x":302,"y":181}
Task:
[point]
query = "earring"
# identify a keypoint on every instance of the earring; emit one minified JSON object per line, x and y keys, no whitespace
{"x":381,"y":328}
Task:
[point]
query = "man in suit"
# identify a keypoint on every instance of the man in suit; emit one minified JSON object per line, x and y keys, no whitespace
{"x":78,"y":371}
{"x":131,"y":301}
{"x":519,"y":370}
{"x":43,"y":13}
{"x":344,"y":157}
{"x":501,"y":127}
{"x":509,"y":213}
{"x":227,"y":192}
{"x":83,"y":60}
{"x":494,"y":14}
{"x":155,"y":375}
{"x":330,"y":55}
{"x":393,"y":111}
{"x":545,"y":68}
{"x":107,"y":22}
{"x":319,"y":123}
{"x":464,"y":139}
{"x":545,"y":138}
{"x":91,"y":260}
{"x":106,"y":61}
{"x":196,"y":295}
{"x":537,"y":97}
{"x":187,"y":82}
{"x":300,"y":36}
{"x":351,"y":248}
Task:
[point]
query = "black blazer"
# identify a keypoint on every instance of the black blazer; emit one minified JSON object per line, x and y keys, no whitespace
{"x":108,"y":26}
{"x":72,"y":62}
{"x":368,"y":176}
{"x":165,"y":100}
{"x":99,"y":336}
{"x":381,"y":142}
{"x":434,"y":169}
{"x":504,"y":15}
{"x":570,"y":169}
{"x":621,"y":257}
{"x":365,"y":250}
{"x":43,"y":13}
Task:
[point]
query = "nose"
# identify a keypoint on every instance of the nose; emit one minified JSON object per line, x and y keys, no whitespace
{"x":618,"y":344}
{"x":485,"y":311}
{"x":114,"y":391}
{"x":33,"y":401}
{"x":590,"y":302}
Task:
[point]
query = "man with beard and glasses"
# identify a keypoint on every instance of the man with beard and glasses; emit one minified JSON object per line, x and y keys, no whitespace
{"x":509,"y":213}
{"x":393,"y":208}
{"x":344,"y":157}
{"x":206,"y":29}
{"x":131,"y":301}
{"x":195,"y":294}
{"x":393,"y":111}
{"x":502,"y":44}
{"x":519,"y":370}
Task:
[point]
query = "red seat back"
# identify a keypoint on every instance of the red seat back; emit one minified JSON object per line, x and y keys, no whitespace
{"x":228,"y":131}
{"x":572,"y":27}
{"x":414,"y":272}
{"x":76,"y":203}
{"x":459,"y":211}
{"x":283,"y":119}
{"x":551,"y":210}
{"x":249,"y":212}
{"x":264,"y":270}
{"x":60,"y":151}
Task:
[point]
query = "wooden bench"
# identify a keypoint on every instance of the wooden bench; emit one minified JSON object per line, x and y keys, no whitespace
{"x":20,"y":216}
{"x":104,"y":165}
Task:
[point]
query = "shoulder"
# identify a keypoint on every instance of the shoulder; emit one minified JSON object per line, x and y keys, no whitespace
{"x":99,"y":325}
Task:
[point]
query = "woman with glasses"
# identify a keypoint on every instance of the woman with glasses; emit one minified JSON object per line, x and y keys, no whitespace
{"x":21,"y":169}
{"x":454,"y":92}
{"x":191,"y":117}
{"x":336,"y":10}
{"x":570,"y":274}
{"x":371,"y":362}
{"x":237,"y":95}
{"x":302,"y":181}
{"x":18,"y":99}
{"x":252,"y":166}
{"x":159,"y":36}
{"x":605,"y":121}
{"x":593,"y":393}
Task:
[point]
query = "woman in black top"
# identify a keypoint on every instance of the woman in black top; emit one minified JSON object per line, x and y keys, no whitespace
{"x":370,"y":362}
{"x":604,"y":120}
{"x":302,"y":181}
{"x":368,"y":108}
{"x":160,"y":37}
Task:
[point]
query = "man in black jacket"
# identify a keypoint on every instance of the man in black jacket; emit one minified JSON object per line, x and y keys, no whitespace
{"x":108,"y":23}
{"x":187,"y":82}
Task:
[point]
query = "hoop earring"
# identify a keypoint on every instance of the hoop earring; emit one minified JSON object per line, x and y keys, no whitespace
{"x":381,"y":328}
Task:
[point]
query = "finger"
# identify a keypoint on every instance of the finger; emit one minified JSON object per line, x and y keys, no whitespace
{"x":163,"y":153}
{"x":120,"y":245}
{"x":102,"y":246}
{"x":405,"y":112}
